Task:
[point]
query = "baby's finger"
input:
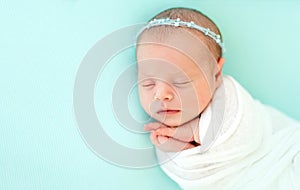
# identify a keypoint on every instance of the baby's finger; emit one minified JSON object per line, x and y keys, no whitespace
{"x":170,"y":132}
{"x":153,"y":138}
{"x":173,"y":145}
{"x":162,"y":139}
{"x":184,"y":134}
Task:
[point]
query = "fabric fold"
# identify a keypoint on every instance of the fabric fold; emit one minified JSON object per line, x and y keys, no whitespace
{"x":246,"y":145}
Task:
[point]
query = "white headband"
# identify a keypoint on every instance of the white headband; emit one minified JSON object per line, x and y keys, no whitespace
{"x":177,"y":22}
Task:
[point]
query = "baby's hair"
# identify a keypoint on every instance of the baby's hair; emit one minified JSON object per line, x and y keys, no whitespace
{"x":188,"y":15}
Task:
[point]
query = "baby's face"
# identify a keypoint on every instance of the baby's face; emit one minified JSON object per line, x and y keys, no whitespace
{"x":176,"y":82}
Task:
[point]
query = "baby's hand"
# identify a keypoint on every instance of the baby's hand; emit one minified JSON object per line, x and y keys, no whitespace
{"x":173,"y":139}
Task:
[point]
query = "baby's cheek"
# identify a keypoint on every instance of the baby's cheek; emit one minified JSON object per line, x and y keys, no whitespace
{"x":189,"y":100}
{"x":145,"y":102}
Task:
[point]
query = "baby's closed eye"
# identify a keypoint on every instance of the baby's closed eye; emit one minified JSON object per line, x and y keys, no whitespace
{"x":147,"y":83}
{"x":182,"y":83}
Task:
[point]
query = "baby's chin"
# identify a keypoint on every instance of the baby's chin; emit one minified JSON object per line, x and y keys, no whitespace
{"x":172,"y":124}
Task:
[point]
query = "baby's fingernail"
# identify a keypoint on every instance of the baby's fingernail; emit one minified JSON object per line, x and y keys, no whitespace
{"x":162,"y":139}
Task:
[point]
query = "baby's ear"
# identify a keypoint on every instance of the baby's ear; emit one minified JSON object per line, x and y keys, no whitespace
{"x":219,"y":68}
{"x":221,"y":62}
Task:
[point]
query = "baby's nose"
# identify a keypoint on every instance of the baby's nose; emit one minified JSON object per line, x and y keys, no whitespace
{"x":164,"y":92}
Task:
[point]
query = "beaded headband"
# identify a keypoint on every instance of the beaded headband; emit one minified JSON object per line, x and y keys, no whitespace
{"x":177,"y":22}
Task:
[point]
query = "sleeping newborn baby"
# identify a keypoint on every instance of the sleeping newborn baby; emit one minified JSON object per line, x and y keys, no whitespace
{"x":210,"y":133}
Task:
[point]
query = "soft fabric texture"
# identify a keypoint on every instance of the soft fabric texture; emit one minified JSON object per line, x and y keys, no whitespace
{"x":247,"y":145}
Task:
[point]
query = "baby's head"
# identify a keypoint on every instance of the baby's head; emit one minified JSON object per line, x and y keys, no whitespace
{"x":179,"y":66}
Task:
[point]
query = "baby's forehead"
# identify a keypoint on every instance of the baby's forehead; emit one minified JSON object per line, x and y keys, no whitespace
{"x":166,"y":69}
{"x":160,"y":60}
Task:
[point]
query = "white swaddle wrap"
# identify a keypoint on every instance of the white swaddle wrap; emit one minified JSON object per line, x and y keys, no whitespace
{"x":244,"y":145}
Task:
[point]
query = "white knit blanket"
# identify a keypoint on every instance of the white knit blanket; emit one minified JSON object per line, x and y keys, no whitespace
{"x":245,"y":145}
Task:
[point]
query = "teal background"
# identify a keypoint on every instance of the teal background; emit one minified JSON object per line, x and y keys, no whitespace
{"x":42,"y":44}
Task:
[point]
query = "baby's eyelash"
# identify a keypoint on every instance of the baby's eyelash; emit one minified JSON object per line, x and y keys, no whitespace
{"x":181,"y":84}
{"x":147,"y":85}
{"x":185,"y":82}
